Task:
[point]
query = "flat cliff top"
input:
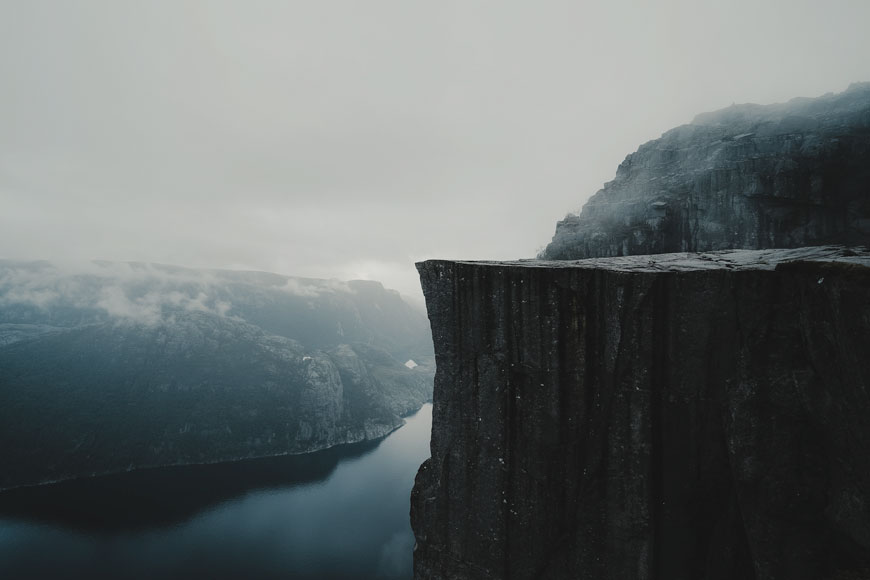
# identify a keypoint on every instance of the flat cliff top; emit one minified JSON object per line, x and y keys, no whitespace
{"x":692,"y":261}
{"x":683,"y":415}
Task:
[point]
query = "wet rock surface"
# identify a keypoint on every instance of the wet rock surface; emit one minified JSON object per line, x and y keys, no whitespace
{"x":749,"y":176}
{"x":649,"y":417}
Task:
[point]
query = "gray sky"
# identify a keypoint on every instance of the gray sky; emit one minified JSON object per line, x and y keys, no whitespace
{"x":350,"y":138}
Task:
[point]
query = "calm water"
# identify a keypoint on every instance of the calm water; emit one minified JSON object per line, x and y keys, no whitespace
{"x":340,"y":513}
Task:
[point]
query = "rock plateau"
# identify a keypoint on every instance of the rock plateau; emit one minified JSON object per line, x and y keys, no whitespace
{"x":669,"y":417}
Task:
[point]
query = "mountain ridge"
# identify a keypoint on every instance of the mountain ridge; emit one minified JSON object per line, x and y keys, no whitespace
{"x":114,"y":366}
{"x":747,"y":176}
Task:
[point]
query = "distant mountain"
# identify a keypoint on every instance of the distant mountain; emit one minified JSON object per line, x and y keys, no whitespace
{"x":107,"y":367}
{"x":749,"y":176}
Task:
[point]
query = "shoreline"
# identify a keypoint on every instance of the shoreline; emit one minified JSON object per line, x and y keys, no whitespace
{"x":109,"y":473}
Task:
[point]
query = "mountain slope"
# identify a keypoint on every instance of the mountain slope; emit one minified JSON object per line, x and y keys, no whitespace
{"x":748,"y":176}
{"x":117,"y":366}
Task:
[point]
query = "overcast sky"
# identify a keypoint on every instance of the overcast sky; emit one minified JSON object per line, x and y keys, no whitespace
{"x":350,"y":138}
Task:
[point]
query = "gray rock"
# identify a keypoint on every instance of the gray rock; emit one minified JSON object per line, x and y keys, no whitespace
{"x":664,"y":417}
{"x":749,"y":176}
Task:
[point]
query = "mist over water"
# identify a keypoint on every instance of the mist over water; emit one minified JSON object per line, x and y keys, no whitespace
{"x":341,"y":513}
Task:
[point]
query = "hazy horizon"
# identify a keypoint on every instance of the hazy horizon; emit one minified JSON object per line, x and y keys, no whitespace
{"x":348,"y":140}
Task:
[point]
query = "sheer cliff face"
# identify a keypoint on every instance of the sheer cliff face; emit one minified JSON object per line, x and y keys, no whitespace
{"x":749,"y":176}
{"x":652,"y":417}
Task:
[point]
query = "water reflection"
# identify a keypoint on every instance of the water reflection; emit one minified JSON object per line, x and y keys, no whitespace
{"x":342,"y":513}
{"x":160,"y":497}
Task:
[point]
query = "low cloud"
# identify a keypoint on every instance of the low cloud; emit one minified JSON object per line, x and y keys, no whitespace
{"x":116,"y":303}
{"x":313,"y":288}
{"x":140,"y":293}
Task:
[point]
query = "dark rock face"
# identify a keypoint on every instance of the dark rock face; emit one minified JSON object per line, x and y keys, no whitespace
{"x":749,"y":176}
{"x":683,"y":416}
{"x":112,"y":367}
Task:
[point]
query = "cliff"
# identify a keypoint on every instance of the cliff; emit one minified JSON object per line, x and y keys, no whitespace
{"x":651,"y":417}
{"x":108,"y":367}
{"x":748,"y":176}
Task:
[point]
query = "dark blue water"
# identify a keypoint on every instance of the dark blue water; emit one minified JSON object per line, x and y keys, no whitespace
{"x":340,"y":513}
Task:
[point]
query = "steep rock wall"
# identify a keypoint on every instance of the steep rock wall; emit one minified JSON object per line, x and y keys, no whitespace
{"x":749,"y":176}
{"x":650,"y":417}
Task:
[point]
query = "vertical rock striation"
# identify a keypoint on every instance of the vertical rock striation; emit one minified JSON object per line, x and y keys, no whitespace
{"x":683,"y":416}
{"x":749,"y":176}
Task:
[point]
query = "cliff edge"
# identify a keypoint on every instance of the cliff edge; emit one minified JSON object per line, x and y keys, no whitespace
{"x":649,"y":417}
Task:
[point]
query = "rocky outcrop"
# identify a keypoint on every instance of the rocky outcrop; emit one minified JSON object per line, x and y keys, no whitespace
{"x":664,"y":417}
{"x":749,"y":176}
